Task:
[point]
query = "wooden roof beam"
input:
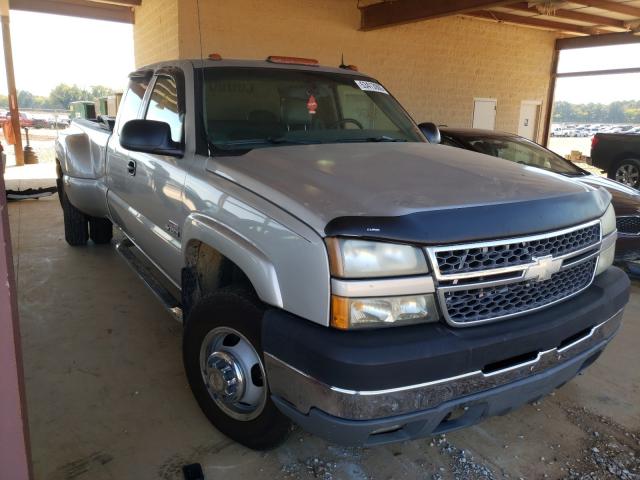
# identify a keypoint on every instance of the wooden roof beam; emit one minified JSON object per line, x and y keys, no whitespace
{"x":574,"y":15}
{"x":124,"y":3}
{"x":611,"y":7}
{"x":604,"y":40}
{"x":533,"y":22}
{"x":386,"y":14}
{"x":76,"y":8}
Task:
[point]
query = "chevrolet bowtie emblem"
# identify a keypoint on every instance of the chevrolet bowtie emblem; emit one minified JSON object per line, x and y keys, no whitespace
{"x":543,"y":268}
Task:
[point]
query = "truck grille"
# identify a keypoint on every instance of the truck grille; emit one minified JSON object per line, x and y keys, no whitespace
{"x":489,"y":281}
{"x":630,"y":225}
{"x":480,"y":304}
{"x":511,"y":254}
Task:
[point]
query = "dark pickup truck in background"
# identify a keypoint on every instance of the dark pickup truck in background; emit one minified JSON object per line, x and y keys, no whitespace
{"x":618,"y":154}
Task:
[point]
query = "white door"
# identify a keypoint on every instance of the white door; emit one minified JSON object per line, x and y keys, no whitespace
{"x":484,"y":113}
{"x":529,"y":119}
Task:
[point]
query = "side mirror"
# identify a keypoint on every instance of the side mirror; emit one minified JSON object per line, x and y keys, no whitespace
{"x":149,"y":136}
{"x":431,"y":131}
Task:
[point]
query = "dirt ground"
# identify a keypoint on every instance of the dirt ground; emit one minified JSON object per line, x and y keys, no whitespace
{"x":108,"y":399}
{"x":564,"y":145}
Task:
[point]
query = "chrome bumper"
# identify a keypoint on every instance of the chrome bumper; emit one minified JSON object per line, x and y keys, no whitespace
{"x":305,"y":392}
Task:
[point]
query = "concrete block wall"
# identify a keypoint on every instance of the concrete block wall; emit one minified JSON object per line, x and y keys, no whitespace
{"x":434,"y":68}
{"x":155,"y":33}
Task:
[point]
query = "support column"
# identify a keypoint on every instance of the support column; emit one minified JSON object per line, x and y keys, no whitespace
{"x":15,"y":456}
{"x":548,"y":116}
{"x":11,"y":81}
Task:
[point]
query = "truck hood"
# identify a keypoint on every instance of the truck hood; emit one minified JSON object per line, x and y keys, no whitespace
{"x":352,"y":189}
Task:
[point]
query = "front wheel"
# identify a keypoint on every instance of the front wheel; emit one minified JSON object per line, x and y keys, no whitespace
{"x":627,"y":172}
{"x":223,"y":359}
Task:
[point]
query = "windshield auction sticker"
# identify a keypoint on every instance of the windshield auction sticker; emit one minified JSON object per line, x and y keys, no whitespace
{"x":370,"y":86}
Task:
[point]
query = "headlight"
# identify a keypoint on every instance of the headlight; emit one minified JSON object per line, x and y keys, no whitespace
{"x":373,"y":312}
{"x":608,"y":249}
{"x":608,"y":221}
{"x":360,"y":258}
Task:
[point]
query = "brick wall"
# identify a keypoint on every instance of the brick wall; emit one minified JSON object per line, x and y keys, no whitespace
{"x":155,"y":33}
{"x":434,"y":68}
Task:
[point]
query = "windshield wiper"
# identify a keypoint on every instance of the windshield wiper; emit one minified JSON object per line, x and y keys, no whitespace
{"x":382,"y":138}
{"x":262,"y":141}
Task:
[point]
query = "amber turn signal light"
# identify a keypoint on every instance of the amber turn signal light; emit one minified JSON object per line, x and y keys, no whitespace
{"x":339,"y":312}
{"x":310,"y":62}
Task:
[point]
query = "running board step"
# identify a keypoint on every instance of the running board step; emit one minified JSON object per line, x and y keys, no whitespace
{"x":126,"y":248}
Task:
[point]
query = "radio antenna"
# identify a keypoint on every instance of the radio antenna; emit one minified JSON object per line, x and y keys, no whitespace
{"x":199,"y":31}
{"x":201,"y":93}
{"x":342,"y":65}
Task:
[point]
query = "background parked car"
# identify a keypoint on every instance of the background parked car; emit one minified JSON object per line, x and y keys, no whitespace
{"x":58,"y":121}
{"x":25,"y":119}
{"x":626,"y":201}
{"x":39,"y":121}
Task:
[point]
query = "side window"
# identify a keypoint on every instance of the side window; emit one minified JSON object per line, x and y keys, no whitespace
{"x":132,"y":100}
{"x":163,"y":106}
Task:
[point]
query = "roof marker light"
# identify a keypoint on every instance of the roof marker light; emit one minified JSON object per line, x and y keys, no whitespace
{"x":310,"y":62}
{"x":215,"y":56}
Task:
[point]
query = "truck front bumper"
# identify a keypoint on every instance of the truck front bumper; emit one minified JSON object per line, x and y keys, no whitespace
{"x":365,"y":388}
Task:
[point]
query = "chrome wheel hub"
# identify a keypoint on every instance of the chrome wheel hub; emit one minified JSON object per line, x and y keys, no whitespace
{"x":628,"y":174}
{"x":225,"y":376}
{"x":233,"y":373}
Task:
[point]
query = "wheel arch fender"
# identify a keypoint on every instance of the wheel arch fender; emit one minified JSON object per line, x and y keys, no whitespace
{"x":626,"y":155}
{"x":250,"y":259}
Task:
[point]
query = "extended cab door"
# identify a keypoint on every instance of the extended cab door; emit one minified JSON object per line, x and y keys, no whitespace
{"x":154,"y":201}
{"x":120,"y":182}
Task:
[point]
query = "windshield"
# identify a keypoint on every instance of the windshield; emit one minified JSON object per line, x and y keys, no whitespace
{"x":247,"y":108}
{"x":523,"y":151}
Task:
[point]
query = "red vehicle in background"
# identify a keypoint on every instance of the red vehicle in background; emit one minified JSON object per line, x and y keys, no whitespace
{"x":25,"y":120}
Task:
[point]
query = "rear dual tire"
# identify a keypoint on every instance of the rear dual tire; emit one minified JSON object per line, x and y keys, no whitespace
{"x":79,"y":228}
{"x":100,"y":230}
{"x":76,"y":225}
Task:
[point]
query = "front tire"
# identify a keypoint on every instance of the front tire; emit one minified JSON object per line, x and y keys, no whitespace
{"x":224,"y":363}
{"x":626,"y":171}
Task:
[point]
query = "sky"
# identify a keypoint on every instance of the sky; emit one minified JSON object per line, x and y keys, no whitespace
{"x":53,"y":49}
{"x":599,"y":89}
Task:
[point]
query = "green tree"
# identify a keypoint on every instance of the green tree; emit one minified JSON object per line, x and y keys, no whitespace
{"x":62,"y":95}
{"x":99,"y":91}
{"x":25,"y":99}
{"x":616,"y":113}
{"x":562,"y":112}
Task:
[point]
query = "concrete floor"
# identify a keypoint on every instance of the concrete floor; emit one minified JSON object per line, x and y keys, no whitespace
{"x":108,"y":399}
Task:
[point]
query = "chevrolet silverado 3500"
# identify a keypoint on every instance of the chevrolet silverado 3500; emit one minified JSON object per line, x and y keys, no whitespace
{"x":331,"y":267}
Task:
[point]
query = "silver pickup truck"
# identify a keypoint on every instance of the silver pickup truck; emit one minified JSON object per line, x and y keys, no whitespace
{"x":331,"y":266}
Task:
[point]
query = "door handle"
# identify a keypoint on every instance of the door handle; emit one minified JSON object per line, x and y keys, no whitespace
{"x":131,"y":168}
